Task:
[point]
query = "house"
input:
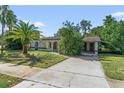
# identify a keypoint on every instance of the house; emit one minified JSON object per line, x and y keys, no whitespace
{"x":91,"y":44}
{"x":47,"y":43}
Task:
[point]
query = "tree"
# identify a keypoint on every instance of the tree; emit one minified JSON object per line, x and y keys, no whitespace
{"x":11,"y":19}
{"x":110,"y":32}
{"x":4,"y":10}
{"x":96,"y":31}
{"x":8,"y":18}
{"x":70,"y":40}
{"x":71,"y":25}
{"x":13,"y":45}
{"x":25,"y":32}
{"x":85,"y":26}
{"x":108,"y":20}
{"x":119,"y":40}
{"x":68,"y":23}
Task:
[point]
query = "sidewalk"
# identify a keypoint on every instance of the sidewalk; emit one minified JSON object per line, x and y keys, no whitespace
{"x":20,"y":71}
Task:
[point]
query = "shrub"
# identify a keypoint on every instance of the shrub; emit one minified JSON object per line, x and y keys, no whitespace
{"x":70,"y":41}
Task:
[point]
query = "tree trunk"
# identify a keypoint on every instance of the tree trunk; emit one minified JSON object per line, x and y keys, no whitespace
{"x":25,"y":49}
{"x":3,"y":26}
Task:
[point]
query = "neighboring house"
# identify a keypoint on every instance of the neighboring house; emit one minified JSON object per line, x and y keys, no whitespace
{"x":91,"y":44}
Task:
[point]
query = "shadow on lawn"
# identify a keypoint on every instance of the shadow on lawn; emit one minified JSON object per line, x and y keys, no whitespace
{"x":31,"y":60}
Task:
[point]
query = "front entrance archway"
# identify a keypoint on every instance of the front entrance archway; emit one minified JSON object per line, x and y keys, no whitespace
{"x":55,"y":46}
{"x":36,"y":45}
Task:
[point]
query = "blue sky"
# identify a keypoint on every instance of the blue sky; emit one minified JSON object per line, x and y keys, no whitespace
{"x":50,"y":18}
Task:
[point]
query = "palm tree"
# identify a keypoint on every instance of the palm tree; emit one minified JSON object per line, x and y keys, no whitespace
{"x":85,"y":25}
{"x":68,"y":23}
{"x":71,"y":25}
{"x":109,"y":20}
{"x":3,"y":11}
{"x":11,"y":19}
{"x":25,"y":32}
{"x":7,"y":18}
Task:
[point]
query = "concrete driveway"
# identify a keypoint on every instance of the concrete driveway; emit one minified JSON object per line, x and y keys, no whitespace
{"x":75,"y":72}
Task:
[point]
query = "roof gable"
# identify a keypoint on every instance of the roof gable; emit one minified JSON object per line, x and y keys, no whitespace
{"x":51,"y":38}
{"x":92,"y":39}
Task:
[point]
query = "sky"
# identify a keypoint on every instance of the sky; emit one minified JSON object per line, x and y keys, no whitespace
{"x":50,"y":18}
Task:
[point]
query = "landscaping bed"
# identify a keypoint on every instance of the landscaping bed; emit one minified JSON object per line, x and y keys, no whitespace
{"x":8,"y":81}
{"x":39,"y":59}
{"x":113,"y":65}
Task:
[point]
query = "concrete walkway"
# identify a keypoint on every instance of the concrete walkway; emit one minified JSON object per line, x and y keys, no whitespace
{"x":79,"y":72}
{"x":20,"y":71}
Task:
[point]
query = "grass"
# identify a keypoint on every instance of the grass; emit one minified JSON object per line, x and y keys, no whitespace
{"x":113,"y":65}
{"x":8,"y":81}
{"x":34,"y":59}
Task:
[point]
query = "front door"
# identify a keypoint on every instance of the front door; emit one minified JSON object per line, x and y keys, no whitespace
{"x":55,"y":45}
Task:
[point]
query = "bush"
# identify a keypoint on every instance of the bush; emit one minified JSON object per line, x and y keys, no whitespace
{"x":14,"y":45}
{"x":70,"y":41}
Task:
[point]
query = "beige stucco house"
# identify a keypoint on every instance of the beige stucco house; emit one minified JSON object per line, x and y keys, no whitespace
{"x":51,"y":44}
{"x":47,"y":43}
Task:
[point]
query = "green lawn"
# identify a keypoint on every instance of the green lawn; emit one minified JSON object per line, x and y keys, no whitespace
{"x":35,"y":58}
{"x":8,"y":81}
{"x":113,"y":65}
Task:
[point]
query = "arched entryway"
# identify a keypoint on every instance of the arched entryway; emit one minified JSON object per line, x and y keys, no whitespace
{"x":55,"y":46}
{"x":36,"y":45}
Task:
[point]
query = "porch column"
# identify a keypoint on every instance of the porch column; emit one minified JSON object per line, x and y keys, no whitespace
{"x":96,"y":48}
{"x":88,"y":46}
{"x":52,"y":45}
{"x":58,"y":46}
{"x":47,"y":44}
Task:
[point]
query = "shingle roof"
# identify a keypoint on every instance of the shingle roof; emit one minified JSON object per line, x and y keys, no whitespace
{"x":86,"y":39}
{"x":92,"y":39}
{"x":51,"y":38}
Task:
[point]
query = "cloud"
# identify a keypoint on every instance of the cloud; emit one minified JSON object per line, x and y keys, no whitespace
{"x":26,"y":21}
{"x":19,"y":17}
{"x":38,"y":24}
{"x":118,"y":14}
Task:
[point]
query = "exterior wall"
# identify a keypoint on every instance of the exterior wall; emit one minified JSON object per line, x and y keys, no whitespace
{"x":40,"y":44}
{"x":96,"y":48}
{"x":32,"y":45}
{"x":87,"y":46}
{"x":45,"y":44}
{"x":52,"y":44}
